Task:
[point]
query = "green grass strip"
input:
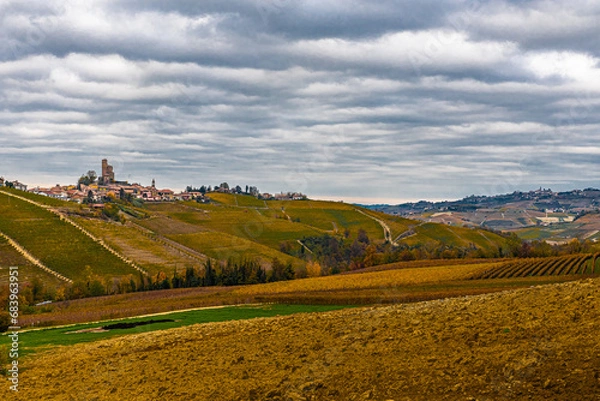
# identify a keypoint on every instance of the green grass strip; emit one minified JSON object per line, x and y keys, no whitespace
{"x":35,"y":340}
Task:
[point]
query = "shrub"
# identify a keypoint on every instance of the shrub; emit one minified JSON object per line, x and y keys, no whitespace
{"x":4,"y":321}
{"x":313,"y":269}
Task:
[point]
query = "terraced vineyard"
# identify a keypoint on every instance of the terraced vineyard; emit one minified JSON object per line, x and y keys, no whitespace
{"x":151,"y":252}
{"x":553,"y":266}
{"x":56,"y":243}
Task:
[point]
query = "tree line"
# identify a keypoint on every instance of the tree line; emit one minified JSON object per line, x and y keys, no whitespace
{"x":230,"y":273}
{"x":335,"y":253}
{"x":224,"y":187}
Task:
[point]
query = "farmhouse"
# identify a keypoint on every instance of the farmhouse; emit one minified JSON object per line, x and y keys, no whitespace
{"x":290,"y":196}
{"x":166,"y":194}
{"x":19,"y":185}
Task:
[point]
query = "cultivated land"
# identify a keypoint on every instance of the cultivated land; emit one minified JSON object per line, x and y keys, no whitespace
{"x":56,"y":243}
{"x":556,"y":217}
{"x":536,"y":344}
{"x":35,"y":340}
{"x":399,"y":283}
{"x":532,"y":343}
{"x":149,"y":251}
{"x":170,"y":237}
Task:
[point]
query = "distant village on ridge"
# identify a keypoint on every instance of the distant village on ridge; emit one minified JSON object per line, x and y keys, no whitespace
{"x":93,"y":189}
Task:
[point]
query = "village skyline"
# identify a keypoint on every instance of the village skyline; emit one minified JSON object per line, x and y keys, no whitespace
{"x":94,"y":188}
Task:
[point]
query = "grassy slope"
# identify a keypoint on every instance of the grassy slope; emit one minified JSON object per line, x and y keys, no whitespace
{"x":454,"y":236}
{"x":236,"y":226}
{"x":27,"y":272}
{"x":56,"y":243}
{"x":131,"y":242}
{"x":237,"y":200}
{"x":9,"y":255}
{"x":44,"y":200}
{"x":30,"y":341}
{"x":222,"y":231}
{"x":326,"y":216}
{"x":228,"y":229}
{"x":224,"y":246}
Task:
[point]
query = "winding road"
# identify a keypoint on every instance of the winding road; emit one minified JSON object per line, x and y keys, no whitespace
{"x":387,"y":233}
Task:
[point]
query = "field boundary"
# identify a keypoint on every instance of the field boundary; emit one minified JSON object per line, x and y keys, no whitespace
{"x":154,"y":236}
{"x":33,"y":259}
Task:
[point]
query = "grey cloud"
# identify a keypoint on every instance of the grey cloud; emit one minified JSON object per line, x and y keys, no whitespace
{"x":341,"y":99}
{"x":535,"y":25}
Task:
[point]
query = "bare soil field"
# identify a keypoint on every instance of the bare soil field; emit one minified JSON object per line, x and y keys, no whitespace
{"x":535,"y":344}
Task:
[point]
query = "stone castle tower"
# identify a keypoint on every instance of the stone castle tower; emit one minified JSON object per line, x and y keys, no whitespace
{"x":108,"y":175}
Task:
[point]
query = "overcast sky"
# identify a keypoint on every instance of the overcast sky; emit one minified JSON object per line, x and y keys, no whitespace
{"x":357,"y":100}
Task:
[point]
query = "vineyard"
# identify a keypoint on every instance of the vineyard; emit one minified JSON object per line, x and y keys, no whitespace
{"x":56,"y":243}
{"x":553,"y":266}
{"x":408,"y":284}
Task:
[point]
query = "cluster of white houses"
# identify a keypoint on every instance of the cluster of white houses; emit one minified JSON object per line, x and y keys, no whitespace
{"x":13,"y":184}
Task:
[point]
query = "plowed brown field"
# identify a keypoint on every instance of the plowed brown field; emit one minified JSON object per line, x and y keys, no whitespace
{"x":535,"y":344}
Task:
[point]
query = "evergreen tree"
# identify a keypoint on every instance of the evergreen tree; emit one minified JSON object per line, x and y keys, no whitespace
{"x":210,"y":276}
{"x":276,"y":270}
{"x":261,"y":275}
{"x":132,"y":284}
{"x":142,"y":286}
{"x":191,"y":279}
{"x":288,"y":272}
{"x":176,"y":281}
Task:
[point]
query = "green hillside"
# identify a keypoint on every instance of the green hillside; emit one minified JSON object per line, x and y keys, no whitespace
{"x":27,"y":272}
{"x":149,"y":252}
{"x":173,"y":236}
{"x":226,"y":227}
{"x":461,"y":237}
{"x":56,"y":243}
{"x":44,"y":200}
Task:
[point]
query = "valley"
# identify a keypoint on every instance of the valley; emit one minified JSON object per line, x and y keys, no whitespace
{"x":555,"y":217}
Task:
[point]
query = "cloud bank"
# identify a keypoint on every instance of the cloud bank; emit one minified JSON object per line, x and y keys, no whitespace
{"x":342,"y":99}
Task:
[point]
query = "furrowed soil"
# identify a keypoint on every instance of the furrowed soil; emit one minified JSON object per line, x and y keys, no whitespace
{"x":535,"y":344}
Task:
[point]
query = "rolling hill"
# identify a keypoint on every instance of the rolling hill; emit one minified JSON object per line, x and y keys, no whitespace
{"x":534,"y":343}
{"x":557,"y":217}
{"x":59,"y":246}
{"x":73,"y":242}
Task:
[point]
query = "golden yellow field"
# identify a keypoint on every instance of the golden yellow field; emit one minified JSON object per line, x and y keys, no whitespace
{"x":384,"y":279}
{"x":389,"y":286}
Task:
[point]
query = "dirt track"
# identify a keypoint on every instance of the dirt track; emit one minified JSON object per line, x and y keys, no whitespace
{"x":540,"y":344}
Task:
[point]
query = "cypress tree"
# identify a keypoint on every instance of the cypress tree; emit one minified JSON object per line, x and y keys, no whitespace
{"x":210,"y":276}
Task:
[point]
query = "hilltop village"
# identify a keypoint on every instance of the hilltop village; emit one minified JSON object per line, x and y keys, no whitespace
{"x":93,"y":189}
